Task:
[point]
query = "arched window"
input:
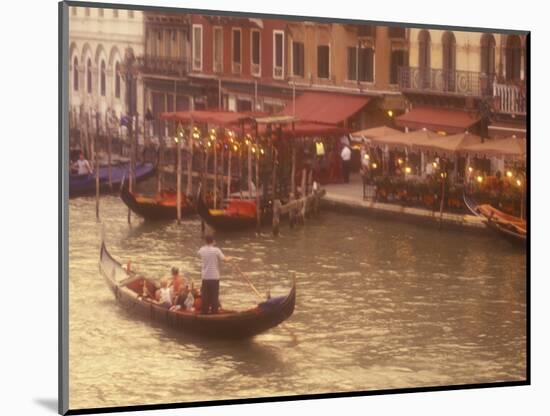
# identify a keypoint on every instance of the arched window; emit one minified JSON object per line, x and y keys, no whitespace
{"x":75,"y":74}
{"x":102,"y":79}
{"x":89,"y":76}
{"x":513,"y":58}
{"x":117,"y":80}
{"x":424,"y":61}
{"x":487,"y":54}
{"x":448,"y":44}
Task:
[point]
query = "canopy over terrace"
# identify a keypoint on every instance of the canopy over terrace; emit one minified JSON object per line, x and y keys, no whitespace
{"x":375,"y":132}
{"x":406,"y":140}
{"x":325,"y":108}
{"x":293,"y":127}
{"x":438,"y":119}
{"x":509,"y":148}
{"x":449,"y":144}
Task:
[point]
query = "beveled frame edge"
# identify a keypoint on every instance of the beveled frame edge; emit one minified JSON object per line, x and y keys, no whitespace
{"x":63,"y":214}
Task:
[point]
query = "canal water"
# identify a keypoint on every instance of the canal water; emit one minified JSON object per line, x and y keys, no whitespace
{"x":380,"y":305}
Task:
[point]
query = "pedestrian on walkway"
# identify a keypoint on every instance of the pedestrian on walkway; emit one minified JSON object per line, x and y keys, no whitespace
{"x":346,"y":162}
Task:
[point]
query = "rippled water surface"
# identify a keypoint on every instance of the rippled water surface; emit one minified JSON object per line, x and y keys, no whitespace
{"x":379,"y":305}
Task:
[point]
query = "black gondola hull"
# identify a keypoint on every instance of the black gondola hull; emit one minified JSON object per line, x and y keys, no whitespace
{"x":153,"y":211}
{"x":228,"y":223}
{"x":231,"y":325}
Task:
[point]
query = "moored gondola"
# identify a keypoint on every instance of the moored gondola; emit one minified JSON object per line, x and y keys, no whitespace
{"x":163,"y":206}
{"x":82,"y":185}
{"x":128,"y":288}
{"x":508,"y":226}
{"x":236,"y":215}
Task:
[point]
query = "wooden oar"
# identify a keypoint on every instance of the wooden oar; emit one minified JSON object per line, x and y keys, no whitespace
{"x":247,"y":280}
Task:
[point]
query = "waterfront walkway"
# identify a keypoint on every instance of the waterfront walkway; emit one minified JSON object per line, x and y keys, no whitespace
{"x":349,"y":197}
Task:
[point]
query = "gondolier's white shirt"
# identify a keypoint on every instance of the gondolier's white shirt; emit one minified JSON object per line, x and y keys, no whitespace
{"x":211,"y":257}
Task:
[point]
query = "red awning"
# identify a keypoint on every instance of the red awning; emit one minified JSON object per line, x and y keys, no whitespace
{"x":325,"y":108}
{"x":438,"y":119}
{"x":315,"y":130}
{"x":220,"y":118}
{"x":301,"y":129}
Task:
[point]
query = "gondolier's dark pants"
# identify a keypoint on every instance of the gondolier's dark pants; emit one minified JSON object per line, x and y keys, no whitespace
{"x":210,"y":292}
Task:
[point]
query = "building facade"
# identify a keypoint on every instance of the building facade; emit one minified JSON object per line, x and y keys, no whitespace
{"x":239,"y":63}
{"x":479,"y":73}
{"x":165,"y":65}
{"x":100,"y":40}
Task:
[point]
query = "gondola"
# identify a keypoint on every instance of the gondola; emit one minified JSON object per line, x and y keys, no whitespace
{"x":237,"y":214}
{"x":128,"y":287}
{"x":508,"y":226}
{"x":163,"y":206}
{"x":81,"y":185}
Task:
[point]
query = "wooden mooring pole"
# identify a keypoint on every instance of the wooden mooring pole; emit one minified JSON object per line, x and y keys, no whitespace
{"x":160,"y":167}
{"x":302,"y":212}
{"x":189,"y":189}
{"x":110,"y":157}
{"x":215,"y":174}
{"x":249,"y":169}
{"x":229,"y":173}
{"x":276,"y":216}
{"x":258,"y":207}
{"x":96,"y":157}
{"x":295,"y":206}
{"x":178,"y":179}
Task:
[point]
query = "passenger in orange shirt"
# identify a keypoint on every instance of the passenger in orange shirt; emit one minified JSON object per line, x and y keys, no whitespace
{"x":178,"y":283}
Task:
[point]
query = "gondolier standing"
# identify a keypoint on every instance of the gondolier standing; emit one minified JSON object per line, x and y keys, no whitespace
{"x":210,"y":289}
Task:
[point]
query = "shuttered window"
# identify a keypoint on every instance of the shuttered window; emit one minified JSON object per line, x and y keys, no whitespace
{"x":361,"y":64}
{"x":237,"y":46}
{"x":366,"y":65}
{"x":323,"y":64}
{"x":298,"y":59}
{"x":352,"y":63}
{"x":256,"y":47}
{"x":399,"y":59}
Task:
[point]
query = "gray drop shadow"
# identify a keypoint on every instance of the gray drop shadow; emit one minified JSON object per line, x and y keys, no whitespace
{"x":50,"y":404}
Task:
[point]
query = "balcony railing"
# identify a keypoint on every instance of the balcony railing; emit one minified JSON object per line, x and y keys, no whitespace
{"x":509,"y":99}
{"x":163,"y":66}
{"x":440,"y":81}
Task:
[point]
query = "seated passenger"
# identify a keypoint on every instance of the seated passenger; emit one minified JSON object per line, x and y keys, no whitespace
{"x":164,"y":294}
{"x":178,"y":282}
{"x":145,"y":290}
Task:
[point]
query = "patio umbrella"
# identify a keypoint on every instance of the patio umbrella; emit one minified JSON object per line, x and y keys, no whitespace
{"x":510,"y":148}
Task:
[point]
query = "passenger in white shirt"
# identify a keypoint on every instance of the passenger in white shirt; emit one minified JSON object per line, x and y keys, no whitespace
{"x":82,"y":166}
{"x":346,"y":162}
{"x":164,"y":294}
